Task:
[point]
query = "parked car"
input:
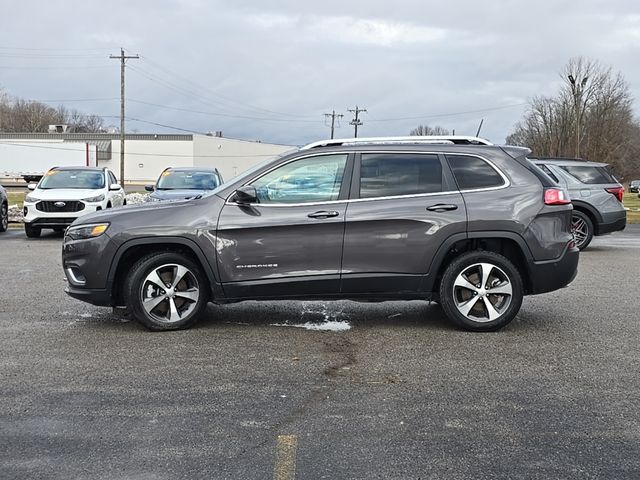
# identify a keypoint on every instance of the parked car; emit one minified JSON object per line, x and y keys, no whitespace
{"x":66,"y":193}
{"x":595,"y":193}
{"x":184,"y":182}
{"x":634,"y":186}
{"x":474,"y":227}
{"x":4,"y":210}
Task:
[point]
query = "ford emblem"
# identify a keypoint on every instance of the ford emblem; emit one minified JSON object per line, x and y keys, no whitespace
{"x":60,"y":204}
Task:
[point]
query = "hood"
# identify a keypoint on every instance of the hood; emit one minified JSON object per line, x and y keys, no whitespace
{"x":65,"y":193}
{"x":113,"y":214}
{"x":177,"y":194}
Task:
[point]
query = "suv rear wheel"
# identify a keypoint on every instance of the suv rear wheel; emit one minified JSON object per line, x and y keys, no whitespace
{"x":481,"y":291}
{"x":166,"y":291}
{"x":582,"y":228}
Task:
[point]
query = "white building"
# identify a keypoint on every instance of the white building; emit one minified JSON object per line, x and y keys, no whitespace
{"x":146,"y":155}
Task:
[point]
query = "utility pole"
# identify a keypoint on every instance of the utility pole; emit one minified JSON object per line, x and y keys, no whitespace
{"x":122,"y":58}
{"x":333,"y":116}
{"x":356,"y":121}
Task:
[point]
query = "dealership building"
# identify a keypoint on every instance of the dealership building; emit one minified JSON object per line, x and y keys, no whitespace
{"x":146,"y":155}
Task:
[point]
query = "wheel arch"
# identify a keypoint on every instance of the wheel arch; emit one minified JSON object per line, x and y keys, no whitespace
{"x":131,"y":251}
{"x":508,"y":244}
{"x":590,"y":212}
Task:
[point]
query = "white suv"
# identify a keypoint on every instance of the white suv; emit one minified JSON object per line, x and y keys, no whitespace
{"x":66,"y":193}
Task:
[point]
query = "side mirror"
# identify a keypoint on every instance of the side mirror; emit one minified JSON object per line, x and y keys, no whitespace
{"x":246,"y":194}
{"x":114,"y":187}
{"x":149,"y":188}
{"x":32,"y":186}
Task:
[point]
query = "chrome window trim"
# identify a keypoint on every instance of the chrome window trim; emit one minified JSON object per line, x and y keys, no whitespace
{"x":505,"y":179}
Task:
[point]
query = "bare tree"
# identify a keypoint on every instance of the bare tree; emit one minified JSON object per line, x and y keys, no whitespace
{"x":19,"y":115}
{"x":590,"y":117}
{"x":425,"y":130}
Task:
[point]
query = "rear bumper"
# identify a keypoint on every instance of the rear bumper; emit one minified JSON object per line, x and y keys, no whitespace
{"x":613,"y":224}
{"x":551,"y":275}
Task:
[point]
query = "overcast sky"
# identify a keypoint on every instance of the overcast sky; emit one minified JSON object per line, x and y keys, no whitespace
{"x":269,"y":70}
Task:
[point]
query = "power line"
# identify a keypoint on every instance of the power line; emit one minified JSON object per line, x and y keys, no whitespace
{"x":123,"y":58}
{"x":141,"y":153}
{"x":438,"y":115}
{"x":218,"y":114}
{"x":356,"y":121}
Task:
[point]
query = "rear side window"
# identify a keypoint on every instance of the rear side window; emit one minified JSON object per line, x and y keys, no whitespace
{"x":386,"y":175}
{"x":473,"y":172}
{"x":548,"y":171}
{"x":589,"y":175}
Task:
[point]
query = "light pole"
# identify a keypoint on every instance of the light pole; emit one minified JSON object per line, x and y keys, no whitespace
{"x":577,"y":90}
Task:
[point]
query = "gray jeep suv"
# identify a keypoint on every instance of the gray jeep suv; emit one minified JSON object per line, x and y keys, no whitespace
{"x":472,"y":226}
{"x":595,"y":193}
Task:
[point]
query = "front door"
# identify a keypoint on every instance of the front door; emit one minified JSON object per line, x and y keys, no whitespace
{"x":289,"y":243}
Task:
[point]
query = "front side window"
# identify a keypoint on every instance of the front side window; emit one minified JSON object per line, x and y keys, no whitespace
{"x":310,"y":179}
{"x":87,"y":179}
{"x":388,"y":175}
{"x":472,"y":172}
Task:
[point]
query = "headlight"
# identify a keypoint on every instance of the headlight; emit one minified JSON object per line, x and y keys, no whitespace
{"x":97,"y":198}
{"x":31,"y":199}
{"x":82,"y":232}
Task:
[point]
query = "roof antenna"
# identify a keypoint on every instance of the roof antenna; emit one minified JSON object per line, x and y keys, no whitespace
{"x":479,"y":128}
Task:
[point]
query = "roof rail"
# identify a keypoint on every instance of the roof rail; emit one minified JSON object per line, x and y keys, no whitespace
{"x":414,"y":139}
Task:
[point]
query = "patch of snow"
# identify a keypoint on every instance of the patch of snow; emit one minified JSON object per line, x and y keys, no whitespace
{"x":137,"y":198}
{"x":332,"y":326}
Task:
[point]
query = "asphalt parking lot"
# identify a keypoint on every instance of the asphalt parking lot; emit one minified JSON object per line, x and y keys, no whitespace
{"x":393,"y":392}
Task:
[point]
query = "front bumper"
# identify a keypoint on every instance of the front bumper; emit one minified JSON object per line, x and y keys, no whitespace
{"x":550,"y":275}
{"x":43,"y":219}
{"x":98,"y":297}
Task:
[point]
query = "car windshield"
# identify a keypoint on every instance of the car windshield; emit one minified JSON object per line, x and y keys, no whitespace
{"x":187,"y":180}
{"x":86,"y":179}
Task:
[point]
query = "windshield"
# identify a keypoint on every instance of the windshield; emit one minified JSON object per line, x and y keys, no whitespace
{"x":191,"y":180}
{"x":86,"y":179}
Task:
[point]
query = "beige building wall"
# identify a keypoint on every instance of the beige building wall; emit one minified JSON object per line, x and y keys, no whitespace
{"x":230,"y":156}
{"x":146,"y":159}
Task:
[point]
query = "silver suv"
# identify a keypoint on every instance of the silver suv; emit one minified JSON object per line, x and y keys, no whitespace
{"x":595,"y":193}
{"x":470,"y":225}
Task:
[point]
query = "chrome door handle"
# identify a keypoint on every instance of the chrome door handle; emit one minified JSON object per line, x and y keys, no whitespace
{"x":441,"y":207}
{"x":323,"y":214}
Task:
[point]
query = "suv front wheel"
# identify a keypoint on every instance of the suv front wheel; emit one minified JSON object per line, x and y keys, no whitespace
{"x":166,"y":291}
{"x":481,"y":291}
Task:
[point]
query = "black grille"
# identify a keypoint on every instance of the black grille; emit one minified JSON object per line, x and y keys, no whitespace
{"x":51,"y":207}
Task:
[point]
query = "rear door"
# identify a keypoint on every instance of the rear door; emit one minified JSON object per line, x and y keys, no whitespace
{"x":402,"y":208}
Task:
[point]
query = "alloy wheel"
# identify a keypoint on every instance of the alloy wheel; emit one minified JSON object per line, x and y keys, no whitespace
{"x":482,"y":292}
{"x":170,"y":293}
{"x":580,"y":230}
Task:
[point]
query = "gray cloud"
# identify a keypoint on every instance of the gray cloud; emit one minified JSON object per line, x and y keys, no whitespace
{"x":269,"y":71}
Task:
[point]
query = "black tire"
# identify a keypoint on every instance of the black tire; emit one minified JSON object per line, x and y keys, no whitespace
{"x":502,"y":274}
{"x":582,"y":229}
{"x":4,"y":217}
{"x":137,"y":286}
{"x":32,"y":232}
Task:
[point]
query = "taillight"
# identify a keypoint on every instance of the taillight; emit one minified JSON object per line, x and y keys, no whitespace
{"x":556,"y":196}
{"x":617,"y":192}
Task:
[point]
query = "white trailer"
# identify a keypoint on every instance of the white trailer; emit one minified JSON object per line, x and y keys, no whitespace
{"x":31,"y":159}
